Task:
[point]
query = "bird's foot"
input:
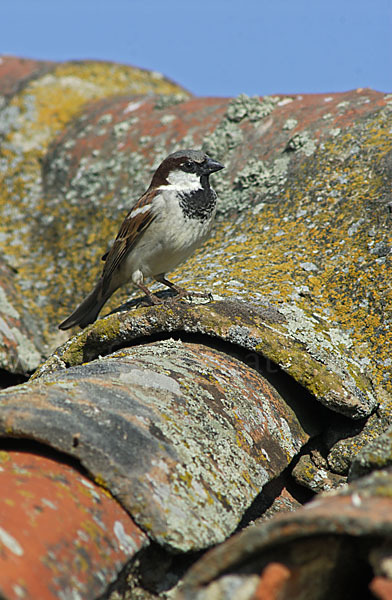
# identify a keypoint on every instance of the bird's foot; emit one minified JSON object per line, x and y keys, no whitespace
{"x":150,"y":299}
{"x":153,"y":300}
{"x":198,"y":297}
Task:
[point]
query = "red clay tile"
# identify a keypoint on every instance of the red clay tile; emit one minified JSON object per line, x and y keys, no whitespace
{"x":15,"y":71}
{"x":165,"y":426}
{"x":272,"y":582}
{"x":61,"y":535}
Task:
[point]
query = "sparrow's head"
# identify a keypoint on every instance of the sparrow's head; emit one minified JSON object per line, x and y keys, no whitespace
{"x":185,"y":169}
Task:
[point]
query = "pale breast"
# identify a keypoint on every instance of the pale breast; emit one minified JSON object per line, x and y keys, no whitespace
{"x":170,"y":239}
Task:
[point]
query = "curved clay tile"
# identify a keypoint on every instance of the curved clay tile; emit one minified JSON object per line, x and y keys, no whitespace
{"x":270,"y":390}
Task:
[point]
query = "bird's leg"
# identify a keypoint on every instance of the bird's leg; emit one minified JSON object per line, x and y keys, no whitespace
{"x":153,"y":299}
{"x":180,"y":291}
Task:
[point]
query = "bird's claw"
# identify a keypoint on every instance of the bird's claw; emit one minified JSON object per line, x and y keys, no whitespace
{"x":198,"y":297}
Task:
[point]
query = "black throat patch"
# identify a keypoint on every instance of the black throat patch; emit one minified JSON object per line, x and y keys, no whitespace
{"x":198,"y":204}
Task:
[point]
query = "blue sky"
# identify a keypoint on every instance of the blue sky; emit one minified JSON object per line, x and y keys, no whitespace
{"x":215,"y":47}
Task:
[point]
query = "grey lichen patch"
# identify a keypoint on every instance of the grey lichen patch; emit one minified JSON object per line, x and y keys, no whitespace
{"x":122,"y":127}
{"x":29,"y":357}
{"x":105,"y":119}
{"x":265,"y":179}
{"x":6,"y":307}
{"x":223,"y":143}
{"x":254,"y":180}
{"x":375,"y":455}
{"x":226,"y":137}
{"x":302,"y":141}
{"x":329,"y":346}
{"x":96,"y":177}
{"x":144,"y":140}
{"x":159,"y":153}
{"x":9,"y":119}
{"x":290,"y":124}
{"x":210,"y":452}
{"x":241,"y":335}
{"x":167,"y":119}
{"x":184,"y":436}
{"x":165,"y":100}
{"x":188,"y":141}
{"x":257,"y":178}
{"x":23,"y":135}
{"x":252,"y":108}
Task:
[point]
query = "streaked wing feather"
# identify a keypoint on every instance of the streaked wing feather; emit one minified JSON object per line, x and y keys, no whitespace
{"x":131,"y":230}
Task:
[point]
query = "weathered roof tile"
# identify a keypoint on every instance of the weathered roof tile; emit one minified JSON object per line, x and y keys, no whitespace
{"x":300,"y":550}
{"x":60,"y":534}
{"x":183,"y":435}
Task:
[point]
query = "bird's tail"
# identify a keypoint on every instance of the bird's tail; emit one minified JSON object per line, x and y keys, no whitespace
{"x":88,"y":310}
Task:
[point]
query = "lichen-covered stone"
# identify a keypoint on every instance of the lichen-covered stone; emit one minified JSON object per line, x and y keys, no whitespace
{"x":313,"y":473}
{"x":319,"y":547}
{"x":300,"y":206}
{"x":375,"y":455}
{"x":183,"y":435}
{"x":261,"y":329}
{"x":298,"y":265}
{"x":16,"y":72}
{"x":253,"y":109}
{"x":39,"y":100}
{"x":346,"y":442}
{"x":303,"y":237}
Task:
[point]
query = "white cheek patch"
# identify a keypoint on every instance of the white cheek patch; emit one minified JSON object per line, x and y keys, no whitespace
{"x":139,"y":210}
{"x":182,"y":182}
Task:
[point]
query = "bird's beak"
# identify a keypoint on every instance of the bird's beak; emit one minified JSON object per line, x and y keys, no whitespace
{"x":210,"y":166}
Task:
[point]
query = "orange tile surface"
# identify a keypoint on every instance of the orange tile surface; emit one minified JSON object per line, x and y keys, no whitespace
{"x":61,"y":535}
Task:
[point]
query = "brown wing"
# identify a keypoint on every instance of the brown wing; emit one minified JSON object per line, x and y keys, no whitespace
{"x":131,"y":230}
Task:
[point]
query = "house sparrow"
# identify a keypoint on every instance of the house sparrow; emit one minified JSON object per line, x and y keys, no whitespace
{"x":172,"y":218}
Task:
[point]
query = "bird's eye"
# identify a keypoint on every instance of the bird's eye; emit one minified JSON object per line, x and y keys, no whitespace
{"x":188,"y":165}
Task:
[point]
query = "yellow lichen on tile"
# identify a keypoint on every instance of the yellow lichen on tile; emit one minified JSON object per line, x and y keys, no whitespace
{"x":314,"y":247}
{"x":40,"y":112}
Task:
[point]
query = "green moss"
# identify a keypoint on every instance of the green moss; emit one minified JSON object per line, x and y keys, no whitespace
{"x":108,"y":328}
{"x":92,"y":340}
{"x":300,"y":365}
{"x":75,"y":350}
